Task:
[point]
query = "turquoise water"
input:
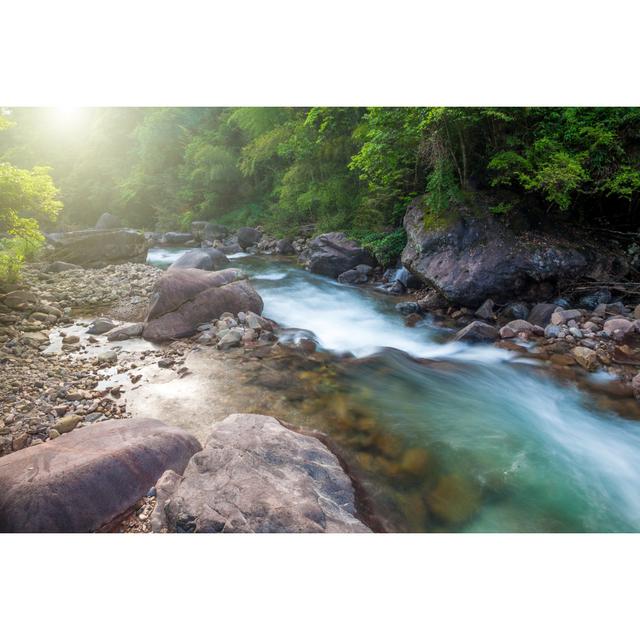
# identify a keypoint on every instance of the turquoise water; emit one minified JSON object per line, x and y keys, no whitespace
{"x":451,"y":437}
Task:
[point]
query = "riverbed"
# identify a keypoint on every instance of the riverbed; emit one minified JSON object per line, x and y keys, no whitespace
{"x":439,"y":435}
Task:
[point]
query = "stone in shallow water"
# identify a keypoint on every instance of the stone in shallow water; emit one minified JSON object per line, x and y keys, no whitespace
{"x":83,"y":480}
{"x":454,"y":499}
{"x":100,"y":326}
{"x":125,"y":332}
{"x":255,"y":475}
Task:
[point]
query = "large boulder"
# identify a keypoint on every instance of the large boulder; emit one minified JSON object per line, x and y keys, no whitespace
{"x":86,"y":479}
{"x":153,"y":238}
{"x":331,"y":254}
{"x":285,"y":247}
{"x":97,"y":248}
{"x":229,"y":249}
{"x":185,"y":298}
{"x":256,"y":476}
{"x":206,"y":258}
{"x":59,"y":267}
{"x":109,"y":221}
{"x":472,"y":255}
{"x":176,"y":238}
{"x":248,"y":236}
{"x":214,"y":231}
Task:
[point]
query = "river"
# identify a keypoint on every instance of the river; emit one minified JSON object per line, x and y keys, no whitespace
{"x":445,"y":436}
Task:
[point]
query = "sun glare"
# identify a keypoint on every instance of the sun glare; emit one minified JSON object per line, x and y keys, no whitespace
{"x":68,"y":115}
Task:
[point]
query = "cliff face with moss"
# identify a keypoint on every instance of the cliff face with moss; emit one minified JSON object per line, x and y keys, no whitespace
{"x":470,"y":255}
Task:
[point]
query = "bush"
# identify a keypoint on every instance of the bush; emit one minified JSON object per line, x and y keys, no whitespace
{"x":385,"y":247}
{"x":13,"y":253}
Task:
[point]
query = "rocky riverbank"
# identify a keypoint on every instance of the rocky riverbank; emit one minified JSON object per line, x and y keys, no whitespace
{"x":55,"y":370}
{"x":74,"y":357}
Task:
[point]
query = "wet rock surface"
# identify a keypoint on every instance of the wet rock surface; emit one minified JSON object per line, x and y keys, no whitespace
{"x":256,"y":476}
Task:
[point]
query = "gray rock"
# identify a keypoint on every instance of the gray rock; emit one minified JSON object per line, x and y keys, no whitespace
{"x":515,"y":311}
{"x":485,"y":310}
{"x":407,"y":279}
{"x":108,"y":357}
{"x":229,"y":249}
{"x":432,"y":300}
{"x":515,"y":327}
{"x":470,"y":258}
{"x":248,"y":236}
{"x":176,"y":238}
{"x":88,"y":478}
{"x":364,"y":268}
{"x":407,"y":308}
{"x":562,"y":316}
{"x":101,"y":325}
{"x":575,"y":332}
{"x":353,"y":276}
{"x":214,"y":231}
{"x":285,"y":247}
{"x":95,"y":248}
{"x":592,"y":300}
{"x":477,"y":331}
{"x":552,"y":331}
{"x":618,"y":328}
{"x":126,"y":332}
{"x":541,"y":313}
{"x":20,"y":300}
{"x":233,"y":338}
{"x":207,"y":259}
{"x":59,"y":267}
{"x":331,"y":254}
{"x":254,"y":475}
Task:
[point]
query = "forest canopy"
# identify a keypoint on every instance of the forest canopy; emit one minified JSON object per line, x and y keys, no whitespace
{"x":338,"y":168}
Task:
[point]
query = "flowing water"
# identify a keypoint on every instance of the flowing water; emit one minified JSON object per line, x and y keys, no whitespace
{"x":446,"y":436}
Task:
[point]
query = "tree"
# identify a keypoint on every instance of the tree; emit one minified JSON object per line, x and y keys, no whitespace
{"x":26,"y":198}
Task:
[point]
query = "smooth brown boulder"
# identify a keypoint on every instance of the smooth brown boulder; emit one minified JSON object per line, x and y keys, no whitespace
{"x":86,"y":479}
{"x":185,"y":298}
{"x":256,"y":476}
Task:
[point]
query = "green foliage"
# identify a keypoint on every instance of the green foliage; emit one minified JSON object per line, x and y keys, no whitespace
{"x":26,"y":197}
{"x":14,"y":252}
{"x":339,"y":168}
{"x":502,"y":209}
{"x":385,"y":247}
